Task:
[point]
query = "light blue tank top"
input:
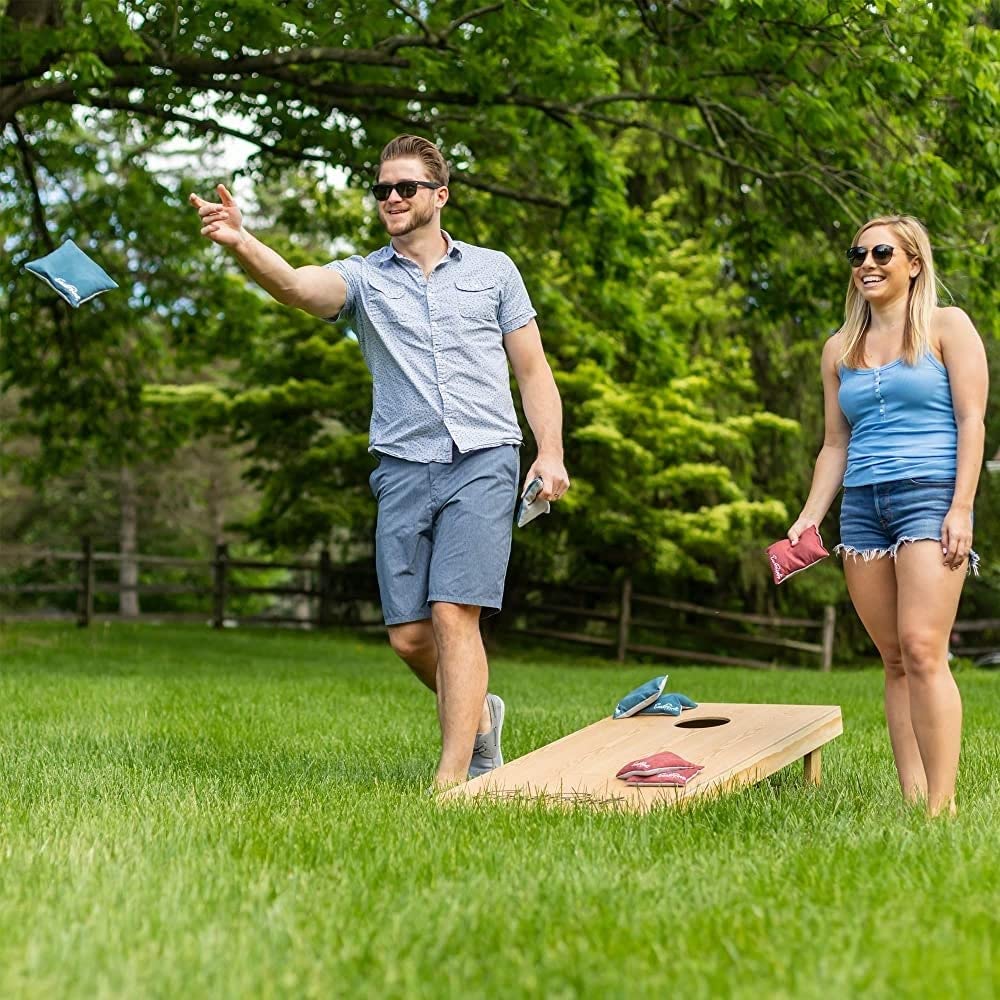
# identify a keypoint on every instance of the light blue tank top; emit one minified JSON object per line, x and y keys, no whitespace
{"x":902,"y":422}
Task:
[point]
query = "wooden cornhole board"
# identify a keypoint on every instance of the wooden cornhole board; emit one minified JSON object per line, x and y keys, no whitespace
{"x":755,"y":741}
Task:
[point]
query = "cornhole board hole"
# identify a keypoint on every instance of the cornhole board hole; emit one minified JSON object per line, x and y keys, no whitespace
{"x":737,"y":744}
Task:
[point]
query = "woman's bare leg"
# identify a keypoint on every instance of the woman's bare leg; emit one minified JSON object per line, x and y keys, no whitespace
{"x":872,"y":586}
{"x":928,"y":595}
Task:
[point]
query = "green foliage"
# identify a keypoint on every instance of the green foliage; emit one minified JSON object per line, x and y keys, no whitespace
{"x":676,"y":182}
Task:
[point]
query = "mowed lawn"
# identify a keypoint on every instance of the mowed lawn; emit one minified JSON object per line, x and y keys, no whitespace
{"x":243,"y":814}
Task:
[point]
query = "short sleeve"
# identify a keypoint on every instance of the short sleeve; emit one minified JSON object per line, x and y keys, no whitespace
{"x":515,"y":306}
{"x":350,"y":271}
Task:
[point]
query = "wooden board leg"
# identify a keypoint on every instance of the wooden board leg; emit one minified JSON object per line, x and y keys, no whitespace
{"x":813,"y":766}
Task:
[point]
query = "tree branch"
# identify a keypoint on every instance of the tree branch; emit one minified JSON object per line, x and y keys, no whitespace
{"x":413,"y":16}
{"x":37,"y":208}
{"x":635,"y":97}
{"x":503,"y":192}
{"x":817,"y":175}
{"x":295,"y":155}
{"x":204,"y":127}
{"x":472,"y":15}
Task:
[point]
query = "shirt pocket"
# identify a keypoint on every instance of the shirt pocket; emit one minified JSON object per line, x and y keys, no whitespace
{"x":384,"y":299}
{"x":478,"y":298}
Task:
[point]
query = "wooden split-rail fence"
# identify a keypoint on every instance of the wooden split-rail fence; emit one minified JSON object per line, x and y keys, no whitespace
{"x":332,"y":595}
{"x":618,"y":621}
{"x":624,"y":622}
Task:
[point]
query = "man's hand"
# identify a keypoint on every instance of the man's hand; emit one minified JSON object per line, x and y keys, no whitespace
{"x":555,"y":478}
{"x":221,"y":223}
{"x":320,"y":291}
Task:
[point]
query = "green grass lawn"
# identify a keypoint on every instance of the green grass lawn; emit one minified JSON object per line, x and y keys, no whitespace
{"x":242,"y":814}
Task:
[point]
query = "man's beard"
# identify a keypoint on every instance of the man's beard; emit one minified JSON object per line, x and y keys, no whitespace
{"x":415,"y":219}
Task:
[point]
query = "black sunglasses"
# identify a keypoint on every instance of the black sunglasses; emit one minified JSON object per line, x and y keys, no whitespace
{"x":405,"y":189}
{"x":881,"y":254}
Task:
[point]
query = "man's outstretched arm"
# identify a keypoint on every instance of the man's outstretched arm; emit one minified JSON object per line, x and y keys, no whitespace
{"x":317,"y":290}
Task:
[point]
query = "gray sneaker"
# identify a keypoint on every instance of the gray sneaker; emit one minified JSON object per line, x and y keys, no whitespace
{"x":486,"y":753}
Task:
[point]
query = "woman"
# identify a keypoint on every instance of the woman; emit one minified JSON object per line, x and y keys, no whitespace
{"x":905,"y":384}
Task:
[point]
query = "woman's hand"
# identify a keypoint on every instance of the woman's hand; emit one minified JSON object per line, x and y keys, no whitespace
{"x":956,"y":537}
{"x":798,"y":527}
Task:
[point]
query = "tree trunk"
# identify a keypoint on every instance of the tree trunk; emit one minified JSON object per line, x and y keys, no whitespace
{"x":36,"y":13}
{"x":128,"y":568}
{"x":215,"y":502}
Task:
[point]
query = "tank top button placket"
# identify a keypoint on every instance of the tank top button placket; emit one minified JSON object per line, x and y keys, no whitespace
{"x":878,"y":393}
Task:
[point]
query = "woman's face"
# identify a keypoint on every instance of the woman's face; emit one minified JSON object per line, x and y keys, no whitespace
{"x":880,"y":284}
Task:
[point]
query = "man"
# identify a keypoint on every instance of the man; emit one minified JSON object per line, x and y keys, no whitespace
{"x":434,"y":318}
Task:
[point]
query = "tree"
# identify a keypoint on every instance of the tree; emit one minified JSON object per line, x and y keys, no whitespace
{"x":773,"y":127}
{"x":79,"y":374}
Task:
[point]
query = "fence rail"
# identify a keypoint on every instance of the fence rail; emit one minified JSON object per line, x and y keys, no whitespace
{"x":618,"y":609}
{"x":325,"y":586}
{"x":619,"y":620}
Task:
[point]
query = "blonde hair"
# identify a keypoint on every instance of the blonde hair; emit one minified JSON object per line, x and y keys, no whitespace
{"x":922,"y":299}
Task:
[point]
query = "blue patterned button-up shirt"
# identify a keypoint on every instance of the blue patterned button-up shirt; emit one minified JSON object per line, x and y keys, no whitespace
{"x":435,"y":348}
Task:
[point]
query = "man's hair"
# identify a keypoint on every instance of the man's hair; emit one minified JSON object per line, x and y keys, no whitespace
{"x":420,"y":149}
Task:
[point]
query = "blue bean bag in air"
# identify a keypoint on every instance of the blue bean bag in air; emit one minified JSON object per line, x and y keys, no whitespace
{"x":71,"y":273}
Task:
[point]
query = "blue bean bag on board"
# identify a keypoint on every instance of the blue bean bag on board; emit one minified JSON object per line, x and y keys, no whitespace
{"x":637,"y":700}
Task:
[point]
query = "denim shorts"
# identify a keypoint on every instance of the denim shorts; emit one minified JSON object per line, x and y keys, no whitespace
{"x":444,"y":530}
{"x":876,"y":520}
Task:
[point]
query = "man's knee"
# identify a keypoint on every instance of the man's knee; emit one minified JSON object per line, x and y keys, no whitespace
{"x":412,"y":640}
{"x":454,"y":619}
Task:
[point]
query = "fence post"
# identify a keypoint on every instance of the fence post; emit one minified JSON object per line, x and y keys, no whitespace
{"x":325,"y":587}
{"x":219,"y":567}
{"x":85,"y":595}
{"x":624,"y":618}
{"x":829,"y":624}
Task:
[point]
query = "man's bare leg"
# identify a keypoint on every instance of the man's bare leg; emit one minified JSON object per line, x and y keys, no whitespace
{"x":462,"y":678}
{"x":414,"y":643}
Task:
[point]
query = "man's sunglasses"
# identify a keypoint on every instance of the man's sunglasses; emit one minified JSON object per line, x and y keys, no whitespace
{"x":405,"y":189}
{"x":881,"y":254}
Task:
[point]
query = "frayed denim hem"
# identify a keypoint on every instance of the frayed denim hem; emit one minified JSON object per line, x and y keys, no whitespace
{"x":868,"y":554}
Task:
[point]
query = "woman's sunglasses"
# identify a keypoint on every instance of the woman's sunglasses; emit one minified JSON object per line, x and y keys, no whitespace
{"x":881,"y":254}
{"x":405,"y":189}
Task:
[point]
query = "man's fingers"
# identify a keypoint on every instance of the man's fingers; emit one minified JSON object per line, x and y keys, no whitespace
{"x":227,"y":198}
{"x":559,"y":488}
{"x":554,"y":485}
{"x":206,"y":208}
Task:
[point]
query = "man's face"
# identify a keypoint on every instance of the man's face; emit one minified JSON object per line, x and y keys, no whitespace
{"x":401,"y":216}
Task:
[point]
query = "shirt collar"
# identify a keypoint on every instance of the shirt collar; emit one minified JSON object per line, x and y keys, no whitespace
{"x":453,"y":250}
{"x":389,"y":252}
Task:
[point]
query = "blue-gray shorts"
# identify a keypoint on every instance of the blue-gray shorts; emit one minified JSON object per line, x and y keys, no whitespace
{"x":443,"y":530}
{"x":876,"y":520}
